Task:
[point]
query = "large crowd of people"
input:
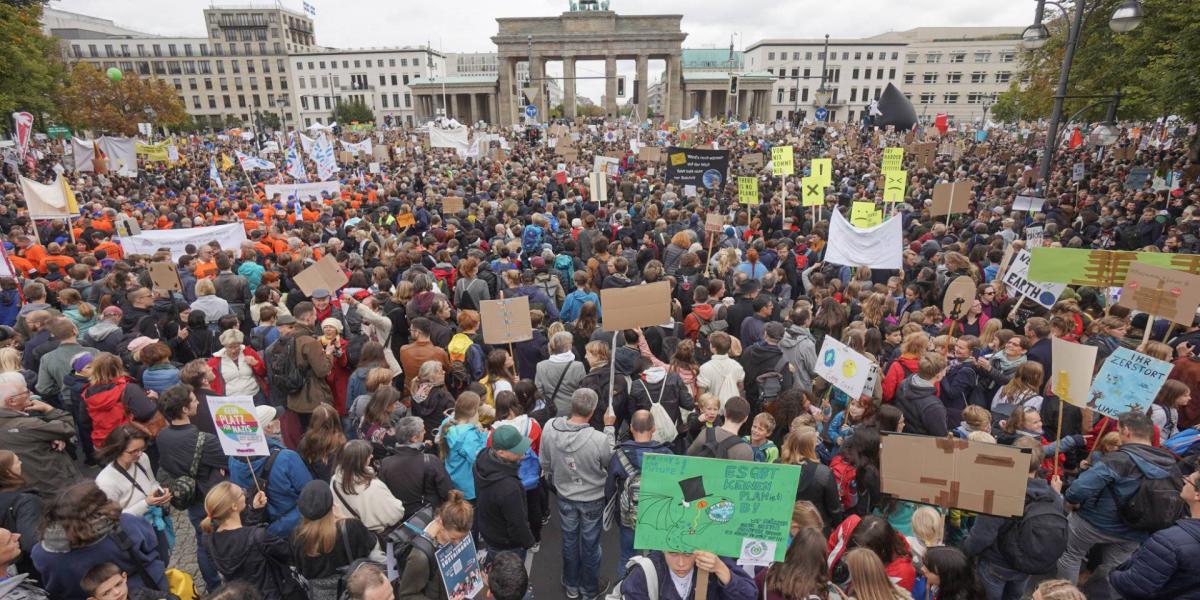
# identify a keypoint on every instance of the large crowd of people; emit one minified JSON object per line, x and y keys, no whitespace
{"x":394,"y":430}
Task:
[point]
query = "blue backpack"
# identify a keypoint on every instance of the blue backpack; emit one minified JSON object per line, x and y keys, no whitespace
{"x":565,"y":265}
{"x":1184,"y":442}
{"x":530,"y":468}
{"x":531,"y":239}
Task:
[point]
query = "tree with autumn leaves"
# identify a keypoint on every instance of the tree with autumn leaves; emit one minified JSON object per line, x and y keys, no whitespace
{"x":91,"y":100}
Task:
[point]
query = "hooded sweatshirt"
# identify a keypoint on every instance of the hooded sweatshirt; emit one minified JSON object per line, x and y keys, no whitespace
{"x":983,"y":541}
{"x":800,"y":348}
{"x":288,"y":477}
{"x":248,"y":554}
{"x":575,"y":458}
{"x":502,"y":513}
{"x":464,"y":443}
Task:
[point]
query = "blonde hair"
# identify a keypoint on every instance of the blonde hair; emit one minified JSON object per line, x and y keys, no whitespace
{"x":870,"y":579}
{"x":804,"y":420}
{"x":219,"y":504}
{"x":981,"y":436}
{"x":805,"y":514}
{"x":929,"y":526}
{"x":799,"y":446}
{"x":1059,"y":589}
{"x":317,"y":537}
{"x":10,"y":360}
{"x":1158,"y":350}
{"x":205,"y":287}
{"x":977,"y":417}
{"x":707,"y":400}
{"x":989,"y":332}
{"x":1109,"y":442}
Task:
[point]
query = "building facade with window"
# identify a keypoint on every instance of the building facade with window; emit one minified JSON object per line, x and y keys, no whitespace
{"x":377,"y":77}
{"x":917,"y":61}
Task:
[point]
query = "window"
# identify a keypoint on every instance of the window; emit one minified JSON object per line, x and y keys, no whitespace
{"x":845,"y":56}
{"x":950,"y":99}
{"x":220,"y":67}
{"x":172,"y":50}
{"x":212,"y":102}
{"x":854,"y":74}
{"x":891,"y":73}
{"x":871,"y":56}
{"x":404,"y":62}
{"x":270,"y":85}
{"x":143,"y":68}
{"x":173,"y":67}
{"x":975,"y":98}
{"x":957,"y":57}
{"x":277,"y":47}
{"x":792,"y":94}
{"x":157,"y":50}
{"x":910,"y":58}
{"x":141,"y":50}
{"x":391,"y":62}
{"x":983,"y":56}
{"x":909,"y":77}
{"x":189,"y":67}
{"x":304,"y":102}
{"x":867,"y":74}
{"x":807,"y":73}
{"x":878,"y":91}
{"x":237,"y":84}
{"x":394,"y":80}
{"x":160,"y":68}
{"x":795,"y":56}
{"x":930,"y":78}
{"x":853,"y":94}
{"x":857,"y":56}
{"x":224,"y":84}
{"x":927,"y":98}
{"x":955,"y":77}
{"x":1007,"y":56}
{"x":407,"y":101}
{"x":933,"y":57}
{"x":804,"y":95}
{"x":208,"y":84}
{"x":795,"y":73}
{"x":779,"y":96}
{"x":979,"y":77}
{"x":205,"y":67}
{"x":383,"y":80}
{"x":250,"y":66}
{"x":236,"y":67}
{"x":227,"y":103}
{"x":383,"y":99}
{"x":405,"y":78}
{"x":203,"y":49}
{"x":196,"y":102}
{"x":241,"y":101}
{"x":770,"y":56}
{"x":895,"y":55}
{"x":1003,"y":76}
{"x":878,"y":74}
{"x":808,"y":56}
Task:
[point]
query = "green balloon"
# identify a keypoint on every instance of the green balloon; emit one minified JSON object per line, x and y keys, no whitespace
{"x":114,"y":73}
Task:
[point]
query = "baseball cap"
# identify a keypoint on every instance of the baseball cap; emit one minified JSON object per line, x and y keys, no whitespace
{"x":506,"y":437}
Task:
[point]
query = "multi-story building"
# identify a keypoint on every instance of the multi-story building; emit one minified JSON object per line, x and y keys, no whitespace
{"x":486,"y":64}
{"x":377,"y":77}
{"x":952,"y":70}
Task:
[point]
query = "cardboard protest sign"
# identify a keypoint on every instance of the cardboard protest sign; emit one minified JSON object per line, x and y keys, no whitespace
{"x":893,"y":159}
{"x":959,"y":296}
{"x":752,"y":160}
{"x":127,"y":227}
{"x":1029,"y":203}
{"x":1127,"y":381}
{"x":505,"y":321}
{"x":1101,"y":268}
{"x":636,"y":306}
{"x":606,"y":164}
{"x":325,"y":274}
{"x":598,"y":186}
{"x":951,"y":198}
{"x":955,"y":473}
{"x":714,"y":222}
{"x":894,"y":184}
{"x":1016,"y":277}
{"x":650,"y":154}
{"x":782,"y":161}
{"x":1073,"y":366}
{"x":748,"y":190}
{"x":924,"y":153}
{"x":735,"y":509}
{"x":1161,"y":292}
{"x":462,"y":577}
{"x":238,"y":428}
{"x":452,"y":204}
{"x":842,"y":367}
{"x":165,"y":276}
{"x":812,"y":192}
{"x":405,"y":220}
{"x":822,"y":170}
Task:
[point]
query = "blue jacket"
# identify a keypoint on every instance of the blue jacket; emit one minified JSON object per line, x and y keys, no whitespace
{"x":158,"y":378}
{"x":1099,"y":490}
{"x":10,"y":305}
{"x":464,"y":442}
{"x":741,"y":586}
{"x":253,"y":273}
{"x":575,"y":301}
{"x":1163,"y":567}
{"x":289,"y":475}
{"x":62,"y":571}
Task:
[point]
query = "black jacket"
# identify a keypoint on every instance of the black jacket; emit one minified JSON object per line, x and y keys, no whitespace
{"x":21,"y":512}
{"x":761,"y":358}
{"x":671,"y":391}
{"x":253,"y":555}
{"x":417,"y":479}
{"x":984,"y":539}
{"x":818,"y":486}
{"x":924,"y":413}
{"x":742,"y":307}
{"x":501,"y":510}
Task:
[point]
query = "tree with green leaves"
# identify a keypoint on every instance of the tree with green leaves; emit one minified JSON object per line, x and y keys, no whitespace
{"x":32,"y":70}
{"x":93,"y":101}
{"x":347,"y":112}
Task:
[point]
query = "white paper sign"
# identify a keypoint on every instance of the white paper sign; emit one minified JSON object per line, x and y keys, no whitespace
{"x":237,"y":427}
{"x":1029,"y":203}
{"x":1015,"y":277}
{"x":841,"y":366}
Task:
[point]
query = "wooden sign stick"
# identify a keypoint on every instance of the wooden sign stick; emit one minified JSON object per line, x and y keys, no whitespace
{"x":708,"y":260}
{"x":701,"y":584}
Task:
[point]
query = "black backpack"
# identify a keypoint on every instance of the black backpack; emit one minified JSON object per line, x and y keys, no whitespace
{"x":714,"y":449}
{"x":258,"y":339}
{"x":283,"y":369}
{"x":1036,"y":540}
{"x":1155,"y":504}
{"x":772,"y":383}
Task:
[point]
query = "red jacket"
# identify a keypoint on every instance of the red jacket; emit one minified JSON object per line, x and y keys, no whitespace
{"x":692,"y":322}
{"x":106,"y":408}
{"x":259,"y":369}
{"x":896,"y":374}
{"x":901,"y":568}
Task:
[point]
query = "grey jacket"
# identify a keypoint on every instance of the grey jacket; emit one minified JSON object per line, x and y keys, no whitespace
{"x":55,"y":366}
{"x":800,"y":348}
{"x":30,"y":435}
{"x":547,"y":376}
{"x":575,"y":458}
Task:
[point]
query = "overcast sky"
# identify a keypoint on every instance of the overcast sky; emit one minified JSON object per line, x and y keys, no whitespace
{"x":467,"y":25}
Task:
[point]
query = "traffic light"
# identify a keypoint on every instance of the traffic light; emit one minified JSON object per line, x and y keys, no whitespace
{"x":636,"y":85}
{"x":733,"y":85}
{"x":620,"y":87}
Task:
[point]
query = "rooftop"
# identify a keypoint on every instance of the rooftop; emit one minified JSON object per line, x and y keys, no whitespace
{"x":455,"y":80}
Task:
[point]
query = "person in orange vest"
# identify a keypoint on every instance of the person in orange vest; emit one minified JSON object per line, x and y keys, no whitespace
{"x":56,"y":257}
{"x":104,"y":242}
{"x":31,"y":251}
{"x":206,"y":266}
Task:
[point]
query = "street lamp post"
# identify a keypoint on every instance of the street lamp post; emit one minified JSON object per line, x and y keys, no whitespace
{"x":1124,"y":19}
{"x":987,"y":105}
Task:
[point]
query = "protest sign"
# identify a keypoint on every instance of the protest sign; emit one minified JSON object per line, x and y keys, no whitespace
{"x":731,"y":508}
{"x":127,"y":227}
{"x":782,"y":161}
{"x":650,"y":154}
{"x":177,"y":240}
{"x":237,"y":427}
{"x":958,"y":298}
{"x":325,"y":274}
{"x":1137,"y":177}
{"x":1073,"y":366}
{"x":1016,"y":277}
{"x":842,"y":367}
{"x":923,"y":153}
{"x":955,"y":473}
{"x":1161,"y":292}
{"x":1035,"y":237}
{"x":505,"y":321}
{"x":606,"y":164}
{"x":1029,"y":203}
{"x":878,"y":247}
{"x":452,"y":204}
{"x":748,"y":190}
{"x":1101,"y":268}
{"x":405,"y":219}
{"x":893,"y":159}
{"x":752,"y":160}
{"x":822,"y":170}
{"x":894,"y":184}
{"x":951,"y":198}
{"x":165,"y":276}
{"x":1127,"y":381}
{"x":636,"y":306}
{"x":701,"y":168}
{"x":812,"y":192}
{"x":1077,"y":172}
{"x":863,"y":214}
{"x":303,"y":191}
{"x":713,"y":222}
{"x":462,"y":578}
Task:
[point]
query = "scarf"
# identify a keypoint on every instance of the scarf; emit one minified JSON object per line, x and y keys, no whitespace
{"x":55,"y":538}
{"x":421,"y":392}
{"x":1001,"y":361}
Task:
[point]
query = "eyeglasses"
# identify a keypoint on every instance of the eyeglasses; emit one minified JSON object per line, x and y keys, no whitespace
{"x":989,"y":293}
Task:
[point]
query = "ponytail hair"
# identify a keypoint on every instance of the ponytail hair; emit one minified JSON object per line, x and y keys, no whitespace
{"x":220,"y":504}
{"x":456,"y":513}
{"x":86,"y":310}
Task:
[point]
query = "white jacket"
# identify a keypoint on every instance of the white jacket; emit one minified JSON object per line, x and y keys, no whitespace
{"x":720,"y":376}
{"x":375,"y":505}
{"x":119,"y":489}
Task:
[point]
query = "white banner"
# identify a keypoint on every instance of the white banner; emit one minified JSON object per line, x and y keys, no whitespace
{"x":322,"y":154}
{"x":878,"y":247}
{"x":448,"y":138}
{"x":85,"y":153}
{"x":841,"y":366}
{"x":363,"y":147}
{"x":303,"y":191}
{"x":237,"y":426}
{"x":176,"y":240}
{"x":1016,"y":278}
{"x":45,"y":201}
{"x":121,"y":154}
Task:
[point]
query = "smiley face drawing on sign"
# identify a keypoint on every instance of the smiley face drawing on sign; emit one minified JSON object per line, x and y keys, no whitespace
{"x":849,"y":368}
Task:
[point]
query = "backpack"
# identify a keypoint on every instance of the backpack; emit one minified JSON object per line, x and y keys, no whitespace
{"x":1003,"y":410}
{"x":1155,"y":504}
{"x":1036,"y":539}
{"x":401,"y":540}
{"x":565,"y":266}
{"x":283,"y":368}
{"x":714,"y":449}
{"x":547,"y":286}
{"x":531,"y":239}
{"x":530,"y":467}
{"x":846,"y":477}
{"x":665,"y":429}
{"x":771,"y":383}
{"x":444,"y":278}
{"x":628,"y":496}
{"x":648,"y":571}
{"x":258,"y":338}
